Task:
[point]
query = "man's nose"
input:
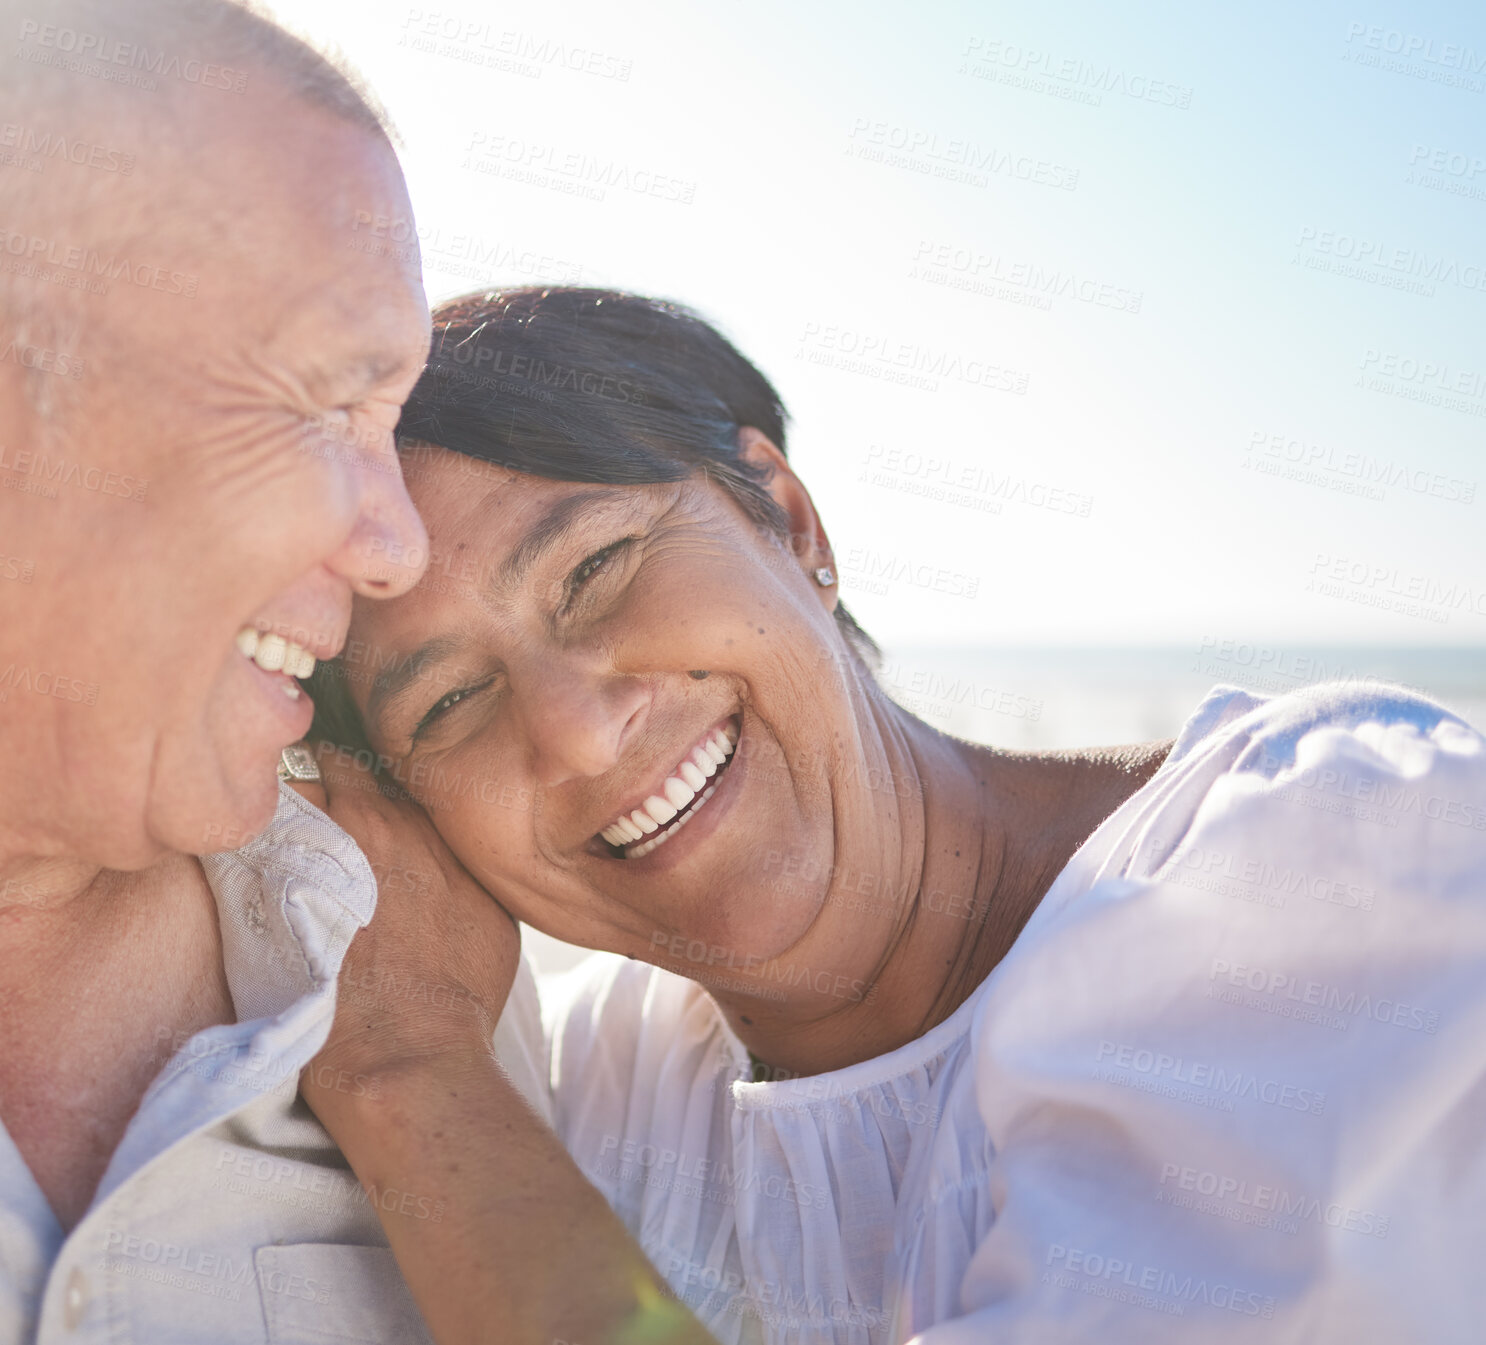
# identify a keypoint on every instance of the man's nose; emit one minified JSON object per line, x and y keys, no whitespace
{"x":579,"y":720}
{"x":387,"y":550}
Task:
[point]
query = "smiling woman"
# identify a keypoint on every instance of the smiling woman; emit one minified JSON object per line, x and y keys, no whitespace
{"x":610,"y":481}
{"x":838,"y":1103}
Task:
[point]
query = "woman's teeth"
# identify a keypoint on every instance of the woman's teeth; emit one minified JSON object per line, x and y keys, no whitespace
{"x":273,"y":653}
{"x":680,"y":790}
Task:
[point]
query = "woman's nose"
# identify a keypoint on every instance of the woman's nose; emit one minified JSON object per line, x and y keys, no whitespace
{"x":580,"y":721}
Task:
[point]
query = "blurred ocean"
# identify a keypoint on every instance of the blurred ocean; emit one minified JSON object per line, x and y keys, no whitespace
{"x":1072,"y":697}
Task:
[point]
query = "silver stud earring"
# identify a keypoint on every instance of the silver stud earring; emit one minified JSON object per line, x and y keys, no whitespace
{"x":825,"y":576}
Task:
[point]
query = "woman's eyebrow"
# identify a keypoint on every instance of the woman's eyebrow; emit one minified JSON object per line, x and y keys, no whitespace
{"x":399,"y":674}
{"x":553,"y":527}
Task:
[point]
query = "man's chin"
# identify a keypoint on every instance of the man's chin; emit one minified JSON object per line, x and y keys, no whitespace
{"x":247,"y":808}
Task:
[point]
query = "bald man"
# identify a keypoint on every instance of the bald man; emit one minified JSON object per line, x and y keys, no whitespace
{"x":201,"y":365}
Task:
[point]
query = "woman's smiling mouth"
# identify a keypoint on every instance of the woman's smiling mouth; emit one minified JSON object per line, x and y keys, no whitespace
{"x":642,"y":829}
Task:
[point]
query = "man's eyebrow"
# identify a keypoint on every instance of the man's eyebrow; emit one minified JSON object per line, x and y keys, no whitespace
{"x":395,"y":679}
{"x":377,"y":367}
{"x":367,"y":370}
{"x":552,"y":527}
{"x":382,"y":367}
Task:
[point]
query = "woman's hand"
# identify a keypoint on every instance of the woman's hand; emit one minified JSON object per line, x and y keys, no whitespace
{"x":524,"y":1248}
{"x":427,"y":979}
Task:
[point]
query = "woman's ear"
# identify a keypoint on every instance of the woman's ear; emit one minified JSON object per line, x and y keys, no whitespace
{"x":807,"y":535}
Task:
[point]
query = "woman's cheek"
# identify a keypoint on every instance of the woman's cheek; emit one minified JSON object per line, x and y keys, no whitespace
{"x":481,"y":811}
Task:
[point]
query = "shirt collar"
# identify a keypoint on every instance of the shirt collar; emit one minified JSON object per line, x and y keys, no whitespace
{"x":289,"y":903}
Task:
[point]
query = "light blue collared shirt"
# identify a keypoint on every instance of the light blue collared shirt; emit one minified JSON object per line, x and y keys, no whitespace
{"x":227,"y":1215}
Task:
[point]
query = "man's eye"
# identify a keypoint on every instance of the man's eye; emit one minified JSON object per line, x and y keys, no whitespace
{"x":442,"y":707}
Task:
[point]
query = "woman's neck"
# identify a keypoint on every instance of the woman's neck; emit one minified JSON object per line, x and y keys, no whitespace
{"x":990,"y":833}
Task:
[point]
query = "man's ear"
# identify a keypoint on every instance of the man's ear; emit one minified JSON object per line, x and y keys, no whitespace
{"x":807,"y":535}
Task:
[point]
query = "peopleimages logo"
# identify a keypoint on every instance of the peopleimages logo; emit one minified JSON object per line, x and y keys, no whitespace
{"x":1114,"y":1271}
{"x":45,"y":682}
{"x":1374,"y":585}
{"x":967,"y":484}
{"x":59,"y":472}
{"x":510,"y":50}
{"x":1264,"y":876}
{"x":873,"y":571}
{"x":1372,"y":260}
{"x":32,"y":142}
{"x":16,"y":569}
{"x":1417,"y":46}
{"x":952,"y":158}
{"x":707,"y":1178}
{"x":798,"y":1308}
{"x":573,"y":172}
{"x":1017,"y":281}
{"x":553,"y":377}
{"x":1250,"y":1199}
{"x":211,"y":1273}
{"x":1353,"y":471}
{"x":1066,"y":76}
{"x":1211,"y":1085}
{"x":90,"y":265}
{"x":1282,"y":985}
{"x":43,"y":359}
{"x":882,"y":356}
{"x":102,"y":57}
{"x":678,"y":948}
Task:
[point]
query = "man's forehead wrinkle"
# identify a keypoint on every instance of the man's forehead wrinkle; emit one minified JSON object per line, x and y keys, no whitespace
{"x":335,"y":349}
{"x":253,"y":369}
{"x":341,"y":376}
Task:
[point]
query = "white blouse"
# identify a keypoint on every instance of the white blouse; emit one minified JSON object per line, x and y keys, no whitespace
{"x":1229,"y":1084}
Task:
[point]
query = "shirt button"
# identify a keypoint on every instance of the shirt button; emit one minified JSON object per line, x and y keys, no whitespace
{"x":75,"y":1300}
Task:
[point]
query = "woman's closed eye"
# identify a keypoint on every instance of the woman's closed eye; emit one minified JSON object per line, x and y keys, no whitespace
{"x":444,"y":704}
{"x":583,"y":573}
{"x":589,"y":567}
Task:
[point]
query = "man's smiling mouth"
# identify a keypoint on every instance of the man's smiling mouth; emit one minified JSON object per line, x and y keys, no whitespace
{"x":642,"y":829}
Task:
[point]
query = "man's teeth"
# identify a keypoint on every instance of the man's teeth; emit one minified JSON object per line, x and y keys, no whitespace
{"x":680,"y":788}
{"x":273,"y":653}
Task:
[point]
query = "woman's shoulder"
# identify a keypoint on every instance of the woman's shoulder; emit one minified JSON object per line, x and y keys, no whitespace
{"x":1280,"y":723}
{"x":1369,"y":752}
{"x":1269,"y":970}
{"x":1373,"y":766}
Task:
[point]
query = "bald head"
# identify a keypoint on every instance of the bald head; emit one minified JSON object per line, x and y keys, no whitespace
{"x":121,"y":127}
{"x":118,"y":55}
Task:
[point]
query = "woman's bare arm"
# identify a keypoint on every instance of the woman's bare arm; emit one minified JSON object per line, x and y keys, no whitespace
{"x":524,"y":1249}
{"x":497,"y":1232}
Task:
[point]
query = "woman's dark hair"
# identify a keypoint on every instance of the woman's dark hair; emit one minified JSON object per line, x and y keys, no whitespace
{"x":596,"y":385}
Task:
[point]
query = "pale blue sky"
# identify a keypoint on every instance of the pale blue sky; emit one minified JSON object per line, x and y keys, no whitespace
{"x":1129,"y":471}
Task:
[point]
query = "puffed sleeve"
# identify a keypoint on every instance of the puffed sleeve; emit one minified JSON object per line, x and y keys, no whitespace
{"x":1234,"y":1071}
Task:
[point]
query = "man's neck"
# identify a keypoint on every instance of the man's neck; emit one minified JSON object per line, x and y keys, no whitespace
{"x":95,"y":990}
{"x":34,"y":884}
